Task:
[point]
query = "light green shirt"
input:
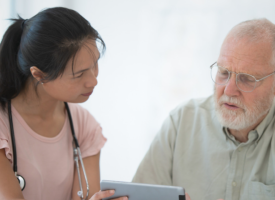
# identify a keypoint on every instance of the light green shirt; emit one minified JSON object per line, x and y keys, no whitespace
{"x":194,"y":151}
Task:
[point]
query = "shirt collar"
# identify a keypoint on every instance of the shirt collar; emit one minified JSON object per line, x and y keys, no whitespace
{"x":229,"y":136}
{"x":260,"y":129}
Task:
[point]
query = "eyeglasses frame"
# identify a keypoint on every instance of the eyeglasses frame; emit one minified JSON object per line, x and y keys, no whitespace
{"x":230,"y":72}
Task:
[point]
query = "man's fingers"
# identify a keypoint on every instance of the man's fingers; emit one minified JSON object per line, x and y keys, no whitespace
{"x":187,"y":197}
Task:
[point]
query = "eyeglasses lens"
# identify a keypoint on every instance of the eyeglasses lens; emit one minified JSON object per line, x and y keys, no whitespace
{"x":246,"y":82}
{"x":220,"y":76}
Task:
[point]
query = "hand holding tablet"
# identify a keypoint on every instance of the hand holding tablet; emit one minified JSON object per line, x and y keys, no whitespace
{"x":138,"y":191}
{"x":105,"y":194}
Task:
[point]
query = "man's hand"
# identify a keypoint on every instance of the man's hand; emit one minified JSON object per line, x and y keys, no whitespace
{"x":104,"y":194}
{"x":188,"y":197}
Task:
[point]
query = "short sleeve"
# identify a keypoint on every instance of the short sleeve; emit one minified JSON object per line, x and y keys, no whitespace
{"x":5,"y":137}
{"x":156,"y":167}
{"x":89,"y":135}
{"x":93,"y":143}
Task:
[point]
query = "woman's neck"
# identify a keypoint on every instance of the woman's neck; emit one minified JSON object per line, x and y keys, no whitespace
{"x":37,"y":102}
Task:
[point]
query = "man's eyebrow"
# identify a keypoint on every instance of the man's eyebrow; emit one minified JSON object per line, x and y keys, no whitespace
{"x":257,"y":75}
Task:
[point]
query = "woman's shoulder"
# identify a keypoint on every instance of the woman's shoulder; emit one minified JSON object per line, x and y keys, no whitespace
{"x":75,"y":108}
{"x":5,"y":134}
{"x":81,"y":114}
{"x":88,"y":130}
{"x":4,"y":121}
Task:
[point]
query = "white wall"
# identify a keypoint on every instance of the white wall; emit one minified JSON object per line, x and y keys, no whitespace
{"x":158,"y":55}
{"x":5,"y":13}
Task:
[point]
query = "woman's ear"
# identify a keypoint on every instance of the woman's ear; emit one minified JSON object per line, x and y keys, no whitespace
{"x":37,"y":73}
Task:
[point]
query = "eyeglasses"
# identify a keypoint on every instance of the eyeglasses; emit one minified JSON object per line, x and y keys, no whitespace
{"x":245,"y":82}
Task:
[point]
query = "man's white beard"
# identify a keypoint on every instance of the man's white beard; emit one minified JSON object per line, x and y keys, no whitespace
{"x":244,"y":118}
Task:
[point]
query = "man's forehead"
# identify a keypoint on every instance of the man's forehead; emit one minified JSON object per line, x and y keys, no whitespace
{"x":245,"y":48}
{"x":237,"y":58}
{"x":245,"y":57}
{"x":242,"y":66}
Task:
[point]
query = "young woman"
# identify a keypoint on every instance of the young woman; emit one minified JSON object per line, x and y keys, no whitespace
{"x":46,"y":61}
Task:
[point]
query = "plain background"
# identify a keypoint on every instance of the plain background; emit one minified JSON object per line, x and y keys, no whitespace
{"x":158,"y":56}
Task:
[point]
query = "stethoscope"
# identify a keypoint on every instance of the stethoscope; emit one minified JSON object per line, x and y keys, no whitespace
{"x":76,"y":149}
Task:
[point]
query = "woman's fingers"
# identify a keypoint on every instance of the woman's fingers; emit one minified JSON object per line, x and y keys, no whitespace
{"x":107,"y":193}
{"x":187,"y":197}
{"x":104,"y":194}
{"x":121,"y":198}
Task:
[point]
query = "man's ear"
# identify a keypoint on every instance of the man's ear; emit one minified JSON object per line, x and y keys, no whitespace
{"x":37,"y":73}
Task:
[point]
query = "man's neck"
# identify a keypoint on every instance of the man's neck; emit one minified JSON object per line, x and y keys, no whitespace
{"x":242,"y":135}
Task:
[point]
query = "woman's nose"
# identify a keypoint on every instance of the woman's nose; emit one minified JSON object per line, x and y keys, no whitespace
{"x":92,"y":79}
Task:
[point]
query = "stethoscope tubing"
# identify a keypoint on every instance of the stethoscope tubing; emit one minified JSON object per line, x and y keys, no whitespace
{"x":12,"y":138}
{"x":77,"y":153}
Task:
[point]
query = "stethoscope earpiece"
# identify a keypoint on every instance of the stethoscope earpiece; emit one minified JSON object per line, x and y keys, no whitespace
{"x":22,"y":182}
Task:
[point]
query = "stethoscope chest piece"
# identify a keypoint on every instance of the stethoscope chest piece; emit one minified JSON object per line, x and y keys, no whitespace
{"x":22,"y":182}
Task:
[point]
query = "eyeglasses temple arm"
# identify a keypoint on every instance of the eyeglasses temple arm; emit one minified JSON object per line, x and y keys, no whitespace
{"x":265,"y":77}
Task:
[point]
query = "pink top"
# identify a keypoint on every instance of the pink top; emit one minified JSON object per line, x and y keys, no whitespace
{"x":47,"y":163}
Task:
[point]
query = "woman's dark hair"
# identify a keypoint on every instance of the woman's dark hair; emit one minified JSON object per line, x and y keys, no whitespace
{"x":47,"y":40}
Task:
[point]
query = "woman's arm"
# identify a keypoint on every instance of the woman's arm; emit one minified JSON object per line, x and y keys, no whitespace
{"x":9,"y":186}
{"x":91,"y":164}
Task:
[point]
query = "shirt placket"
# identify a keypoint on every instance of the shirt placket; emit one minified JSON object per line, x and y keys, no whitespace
{"x":236,"y":171}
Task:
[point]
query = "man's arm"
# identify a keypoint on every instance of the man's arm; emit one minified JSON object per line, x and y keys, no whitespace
{"x":156,"y":166}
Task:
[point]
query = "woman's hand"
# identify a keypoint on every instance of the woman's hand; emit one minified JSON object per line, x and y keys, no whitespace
{"x":188,"y":197}
{"x":104,"y":194}
{"x":107,"y":193}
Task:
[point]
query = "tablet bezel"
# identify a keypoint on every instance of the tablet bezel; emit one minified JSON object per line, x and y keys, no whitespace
{"x":137,"y":191}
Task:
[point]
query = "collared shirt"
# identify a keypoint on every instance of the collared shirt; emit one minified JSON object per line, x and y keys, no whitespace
{"x":194,"y":151}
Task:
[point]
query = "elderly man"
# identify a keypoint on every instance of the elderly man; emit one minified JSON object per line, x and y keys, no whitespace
{"x":223,"y":146}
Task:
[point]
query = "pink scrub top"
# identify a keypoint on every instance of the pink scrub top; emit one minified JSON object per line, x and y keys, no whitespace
{"x":47,"y":163}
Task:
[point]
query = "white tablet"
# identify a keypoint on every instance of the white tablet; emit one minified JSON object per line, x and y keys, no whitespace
{"x":138,"y":191}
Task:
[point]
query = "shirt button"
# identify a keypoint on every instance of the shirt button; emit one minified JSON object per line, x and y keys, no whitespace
{"x":234,"y":184}
{"x":240,"y":149}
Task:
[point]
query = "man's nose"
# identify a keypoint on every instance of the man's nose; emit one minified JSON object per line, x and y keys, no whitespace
{"x":231,"y":88}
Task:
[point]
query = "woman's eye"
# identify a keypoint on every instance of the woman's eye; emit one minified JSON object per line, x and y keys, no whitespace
{"x":79,"y":76}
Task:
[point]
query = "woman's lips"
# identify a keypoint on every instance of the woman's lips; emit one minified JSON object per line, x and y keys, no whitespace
{"x":87,"y":94}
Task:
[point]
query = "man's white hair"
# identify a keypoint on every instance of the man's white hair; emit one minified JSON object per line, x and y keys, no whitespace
{"x":256,"y":30}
